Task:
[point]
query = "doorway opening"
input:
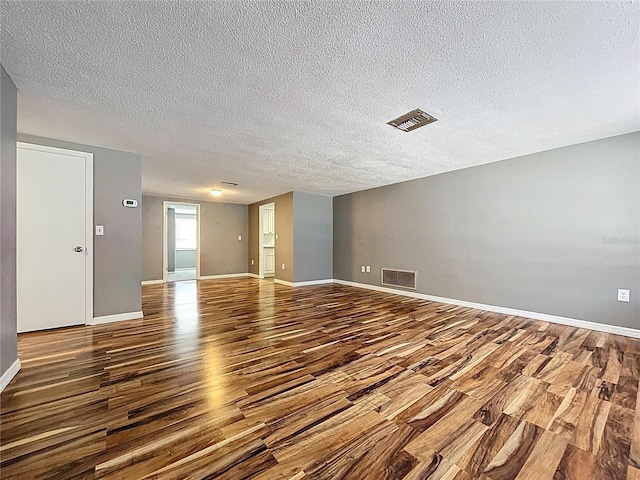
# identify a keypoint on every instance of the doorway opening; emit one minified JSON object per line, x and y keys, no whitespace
{"x":181,"y":245}
{"x":267,"y":240}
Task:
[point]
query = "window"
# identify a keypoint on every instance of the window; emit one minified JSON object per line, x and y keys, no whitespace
{"x":186,"y":229}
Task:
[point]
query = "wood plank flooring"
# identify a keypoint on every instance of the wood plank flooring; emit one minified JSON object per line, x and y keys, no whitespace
{"x":241,"y":378}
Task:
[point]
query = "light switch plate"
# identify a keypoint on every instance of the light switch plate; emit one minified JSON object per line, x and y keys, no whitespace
{"x":239,"y":237}
{"x":623,"y":295}
{"x":283,"y":266}
{"x":99,"y":229}
{"x":362,"y":268}
{"x":368,"y":268}
{"x":253,"y":262}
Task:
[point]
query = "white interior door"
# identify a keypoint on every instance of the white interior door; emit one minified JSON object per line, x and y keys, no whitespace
{"x":269,"y":261}
{"x":54,"y":231}
{"x":268,"y":241}
{"x":272,"y":220}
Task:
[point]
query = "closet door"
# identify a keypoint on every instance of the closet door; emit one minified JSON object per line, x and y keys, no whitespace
{"x":54,"y":237}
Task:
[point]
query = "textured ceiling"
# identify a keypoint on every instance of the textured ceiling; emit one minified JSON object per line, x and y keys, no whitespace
{"x":281,"y":96}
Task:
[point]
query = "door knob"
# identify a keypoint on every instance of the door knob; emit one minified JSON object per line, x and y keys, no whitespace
{"x":78,"y":249}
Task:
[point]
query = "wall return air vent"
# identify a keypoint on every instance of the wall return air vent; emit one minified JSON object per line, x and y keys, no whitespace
{"x":398,"y":278}
{"x":412,"y":120}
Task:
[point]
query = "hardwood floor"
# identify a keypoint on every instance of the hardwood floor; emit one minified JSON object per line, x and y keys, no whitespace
{"x":243,"y":378}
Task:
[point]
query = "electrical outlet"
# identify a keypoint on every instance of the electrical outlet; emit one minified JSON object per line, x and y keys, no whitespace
{"x":99,"y":229}
{"x":253,"y":262}
{"x":368,"y":268}
{"x":623,"y":295}
{"x":283,"y":266}
{"x":362,"y":268}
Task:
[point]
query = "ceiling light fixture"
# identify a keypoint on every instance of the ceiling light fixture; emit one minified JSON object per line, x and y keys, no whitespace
{"x":412,"y":120}
{"x":216,"y":192}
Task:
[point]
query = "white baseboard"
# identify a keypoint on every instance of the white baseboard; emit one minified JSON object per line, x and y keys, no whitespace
{"x":302,"y":284}
{"x":151,"y":282}
{"x":313,"y":282}
{"x":253,"y":275}
{"x":226,"y":275}
{"x":9,"y":374}
{"x":572,"y":322}
{"x":118,"y":317}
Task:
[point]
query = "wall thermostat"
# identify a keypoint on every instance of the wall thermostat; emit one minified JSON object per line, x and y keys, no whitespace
{"x":129,"y":202}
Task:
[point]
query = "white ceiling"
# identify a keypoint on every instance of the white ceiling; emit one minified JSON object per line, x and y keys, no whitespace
{"x":282,"y":96}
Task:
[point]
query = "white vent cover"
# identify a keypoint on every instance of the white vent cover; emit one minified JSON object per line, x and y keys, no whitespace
{"x":412,"y":120}
{"x":398,"y":278}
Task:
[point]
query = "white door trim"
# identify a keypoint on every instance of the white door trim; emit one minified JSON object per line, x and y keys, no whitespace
{"x":88,"y":240}
{"x":165,"y":263}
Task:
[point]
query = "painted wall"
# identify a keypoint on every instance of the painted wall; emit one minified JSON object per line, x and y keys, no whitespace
{"x":186,"y":258}
{"x":284,"y":231}
{"x":117,"y":257}
{"x":557,"y":232}
{"x":312,"y":237}
{"x":220,"y":224}
{"x":8,"y":322}
{"x":304,"y":229}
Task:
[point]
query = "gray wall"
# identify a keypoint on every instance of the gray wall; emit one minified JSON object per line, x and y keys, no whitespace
{"x":116,"y":272}
{"x":304,"y":230}
{"x":284,"y":231}
{"x":8,"y":322}
{"x":555,"y":232}
{"x":312,"y":237}
{"x":220,"y":224}
{"x":186,"y":258}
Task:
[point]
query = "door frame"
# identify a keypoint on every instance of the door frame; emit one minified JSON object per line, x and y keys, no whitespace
{"x":88,"y":217}
{"x":165,"y":260}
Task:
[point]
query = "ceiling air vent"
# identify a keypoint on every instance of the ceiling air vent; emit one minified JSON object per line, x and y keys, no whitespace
{"x":229,"y":184}
{"x":412,"y":120}
{"x":399,"y":278}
